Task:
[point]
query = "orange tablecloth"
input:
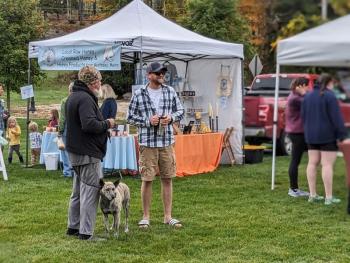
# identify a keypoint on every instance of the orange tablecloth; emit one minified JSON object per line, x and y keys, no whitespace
{"x":197,"y":153}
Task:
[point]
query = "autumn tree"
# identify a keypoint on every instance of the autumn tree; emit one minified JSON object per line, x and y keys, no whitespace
{"x":219,"y":20}
{"x":340,"y":7}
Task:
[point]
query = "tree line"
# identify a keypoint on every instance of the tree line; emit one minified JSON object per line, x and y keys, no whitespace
{"x":256,"y":24}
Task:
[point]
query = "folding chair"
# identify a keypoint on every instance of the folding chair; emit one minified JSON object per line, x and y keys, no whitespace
{"x":226,"y":145}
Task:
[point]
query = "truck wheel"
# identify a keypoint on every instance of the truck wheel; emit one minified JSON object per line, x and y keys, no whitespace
{"x":284,"y":145}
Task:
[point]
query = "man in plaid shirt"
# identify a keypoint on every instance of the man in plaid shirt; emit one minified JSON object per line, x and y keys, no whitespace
{"x":153,"y":109}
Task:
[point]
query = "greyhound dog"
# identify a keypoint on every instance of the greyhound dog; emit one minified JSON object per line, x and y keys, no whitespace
{"x":114,"y":197}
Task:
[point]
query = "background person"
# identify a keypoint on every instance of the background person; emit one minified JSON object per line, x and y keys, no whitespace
{"x":295,"y":130}
{"x":3,"y":112}
{"x":54,"y":119}
{"x":324,"y":126}
{"x":86,"y":146}
{"x":13,"y":134}
{"x":109,"y":105}
{"x":152,"y":109}
{"x":62,"y":131}
{"x":35,"y":138}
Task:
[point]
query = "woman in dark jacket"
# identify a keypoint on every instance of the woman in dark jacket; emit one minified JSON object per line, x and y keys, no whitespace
{"x":295,"y":130}
{"x":109,"y":105}
{"x":323,"y":128}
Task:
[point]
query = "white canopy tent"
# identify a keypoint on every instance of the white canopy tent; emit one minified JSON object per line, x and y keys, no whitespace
{"x":146,"y":36}
{"x":327,"y":45}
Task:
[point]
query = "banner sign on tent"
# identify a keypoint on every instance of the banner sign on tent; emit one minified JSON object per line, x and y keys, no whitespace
{"x":103,"y":57}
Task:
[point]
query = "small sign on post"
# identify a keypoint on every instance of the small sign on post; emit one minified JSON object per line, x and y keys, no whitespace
{"x":27,"y":92}
{"x":255,"y":66}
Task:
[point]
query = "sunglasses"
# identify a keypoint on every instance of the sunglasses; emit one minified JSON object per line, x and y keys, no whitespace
{"x":158,"y":73}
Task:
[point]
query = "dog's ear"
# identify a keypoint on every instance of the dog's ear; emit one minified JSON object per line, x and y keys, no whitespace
{"x":116,"y":182}
{"x":102,"y":183}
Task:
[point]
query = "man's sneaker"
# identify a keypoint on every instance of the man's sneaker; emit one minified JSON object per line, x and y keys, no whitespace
{"x":91,"y":238}
{"x":72,"y":232}
{"x":293,"y":193}
{"x":314,"y":199}
{"x":297,"y":193}
{"x":332,"y":200}
{"x":302,"y":193}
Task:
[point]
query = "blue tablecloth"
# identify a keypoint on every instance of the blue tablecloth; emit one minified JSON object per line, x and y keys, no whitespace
{"x":121,"y":153}
{"x":48,"y":145}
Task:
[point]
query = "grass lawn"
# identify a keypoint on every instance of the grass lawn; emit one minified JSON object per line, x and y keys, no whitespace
{"x":48,"y":91}
{"x":230,"y":215}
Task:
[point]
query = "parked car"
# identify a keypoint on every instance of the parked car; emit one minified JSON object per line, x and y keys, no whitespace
{"x":259,"y":106}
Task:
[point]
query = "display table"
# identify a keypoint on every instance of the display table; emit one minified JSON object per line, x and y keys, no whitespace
{"x":48,"y":145}
{"x":197,"y":153}
{"x":121,"y":153}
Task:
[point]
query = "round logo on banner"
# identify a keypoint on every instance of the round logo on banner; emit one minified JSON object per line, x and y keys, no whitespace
{"x":49,"y":57}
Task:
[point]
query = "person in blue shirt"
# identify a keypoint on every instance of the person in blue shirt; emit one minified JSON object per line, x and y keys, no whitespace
{"x":109,"y":105}
{"x":323,"y":128}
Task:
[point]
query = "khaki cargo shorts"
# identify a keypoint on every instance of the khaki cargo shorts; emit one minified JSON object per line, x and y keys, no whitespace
{"x":154,"y":160}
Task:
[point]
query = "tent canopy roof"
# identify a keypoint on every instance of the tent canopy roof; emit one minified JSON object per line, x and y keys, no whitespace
{"x":139,"y":28}
{"x":326,"y":45}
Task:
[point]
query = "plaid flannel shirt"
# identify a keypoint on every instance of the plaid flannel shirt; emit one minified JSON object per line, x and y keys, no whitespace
{"x":141,"y":109}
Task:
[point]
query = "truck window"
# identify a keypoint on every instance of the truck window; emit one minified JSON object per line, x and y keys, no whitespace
{"x":269,"y":83}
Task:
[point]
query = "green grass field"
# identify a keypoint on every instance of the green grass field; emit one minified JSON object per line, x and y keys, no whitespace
{"x":230,"y":215}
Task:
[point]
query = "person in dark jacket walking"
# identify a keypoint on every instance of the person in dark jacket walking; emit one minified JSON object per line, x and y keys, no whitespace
{"x":109,"y":105}
{"x":295,"y":130}
{"x":86,"y":146}
{"x":323,"y":126}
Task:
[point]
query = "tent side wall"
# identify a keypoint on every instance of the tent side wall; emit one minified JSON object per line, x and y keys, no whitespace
{"x":204,"y":77}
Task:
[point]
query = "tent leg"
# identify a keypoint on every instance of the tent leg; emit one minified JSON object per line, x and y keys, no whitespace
{"x":27,"y":121}
{"x":275,"y":119}
{"x":243,"y":112}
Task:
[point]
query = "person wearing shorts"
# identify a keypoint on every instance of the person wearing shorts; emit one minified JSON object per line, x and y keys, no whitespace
{"x":153,"y":109}
{"x":323,"y":127}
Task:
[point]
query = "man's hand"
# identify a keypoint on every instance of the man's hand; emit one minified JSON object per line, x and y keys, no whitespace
{"x":154,"y":120}
{"x":111,"y":122}
{"x":164,"y":121}
{"x":346,"y":141}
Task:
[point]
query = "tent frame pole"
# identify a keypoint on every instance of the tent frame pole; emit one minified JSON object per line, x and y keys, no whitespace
{"x":27,"y":120}
{"x":275,"y":121}
{"x":243,"y":112}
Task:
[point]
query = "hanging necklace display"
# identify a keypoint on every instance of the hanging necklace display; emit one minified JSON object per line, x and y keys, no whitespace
{"x":224,"y":85}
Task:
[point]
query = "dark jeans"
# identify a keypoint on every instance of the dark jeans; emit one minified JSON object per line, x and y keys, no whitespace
{"x":298,"y":147}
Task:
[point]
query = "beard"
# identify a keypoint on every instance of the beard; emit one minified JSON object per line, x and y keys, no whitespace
{"x":97,"y":93}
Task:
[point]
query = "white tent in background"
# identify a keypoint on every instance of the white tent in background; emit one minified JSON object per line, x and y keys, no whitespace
{"x":327,"y":45}
{"x":146,"y":36}
{"x":139,"y":28}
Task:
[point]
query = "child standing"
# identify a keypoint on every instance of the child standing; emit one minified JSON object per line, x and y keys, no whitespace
{"x":53,"y":121}
{"x":35,"y":142}
{"x":13,"y":135}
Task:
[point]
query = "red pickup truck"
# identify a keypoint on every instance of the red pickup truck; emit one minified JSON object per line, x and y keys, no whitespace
{"x":259,"y":105}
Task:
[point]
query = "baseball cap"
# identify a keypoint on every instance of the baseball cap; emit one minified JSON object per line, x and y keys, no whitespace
{"x":89,"y":74}
{"x":155,"y":67}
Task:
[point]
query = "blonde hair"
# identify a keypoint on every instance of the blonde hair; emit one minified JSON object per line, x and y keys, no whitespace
{"x":33,"y":126}
{"x":11,"y":119}
{"x":70,"y":87}
{"x":107,"y":92}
